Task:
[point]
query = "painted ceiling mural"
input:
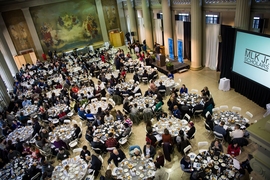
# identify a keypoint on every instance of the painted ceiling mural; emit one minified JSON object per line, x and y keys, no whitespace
{"x":68,"y":25}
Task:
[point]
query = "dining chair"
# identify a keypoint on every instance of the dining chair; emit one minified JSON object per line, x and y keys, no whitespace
{"x":73,"y":144}
{"x":91,"y":175}
{"x":130,"y":98}
{"x":218,"y":136}
{"x":208,"y":129}
{"x":162,"y":92}
{"x":102,"y":160}
{"x":67,"y":121}
{"x":76,"y":150}
{"x":186,"y":149}
{"x":236,"y":109}
{"x":194,"y":91}
{"x":131,"y":81}
{"x":94,"y":100}
{"x":223,"y":108}
{"x":104,"y":99}
{"x":207,"y":113}
{"x":249,"y":114}
{"x":186,"y":117}
{"x":36,"y":176}
{"x":215,"y":110}
{"x":137,"y":94}
{"x":202,"y":144}
{"x":198,"y":113}
{"x":180,"y":80}
{"x":145,"y":80}
{"x":168,"y":176}
{"x":123,"y":141}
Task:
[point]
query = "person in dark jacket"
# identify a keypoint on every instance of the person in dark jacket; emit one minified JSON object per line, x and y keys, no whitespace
{"x":117,"y":156}
{"x":94,"y":163}
{"x":191,"y":131}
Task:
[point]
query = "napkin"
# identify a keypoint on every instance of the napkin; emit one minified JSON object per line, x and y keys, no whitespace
{"x":236,"y":164}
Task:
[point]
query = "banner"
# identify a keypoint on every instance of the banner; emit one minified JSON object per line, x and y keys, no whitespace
{"x":180,"y":50}
{"x":171,"y":55}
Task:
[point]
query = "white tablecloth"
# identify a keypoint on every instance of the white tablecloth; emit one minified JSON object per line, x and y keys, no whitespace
{"x":224,"y":84}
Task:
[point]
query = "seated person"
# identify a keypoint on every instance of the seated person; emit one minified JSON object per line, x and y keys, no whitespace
{"x":81,"y":113}
{"x":89,"y":115}
{"x":152,"y":86}
{"x":84,"y":153}
{"x":111,"y":141}
{"x":12,"y":154}
{"x":182,"y":141}
{"x":15,"y":124}
{"x":237,"y":133}
{"x":77,"y":132}
{"x":145,"y":74}
{"x":94,"y":163}
{"x":62,"y":154}
{"x":148,"y":93}
{"x":62,"y":115}
{"x":183,"y":89}
{"x":127,"y":130}
{"x":44,"y":134}
{"x":219,"y":128}
{"x":209,"y":122}
{"x":117,"y":156}
{"x":191,"y":131}
{"x":149,"y":151}
{"x":135,"y":151}
{"x":47,"y":168}
{"x":161,"y":86}
{"x":170,"y":75}
{"x":234,"y":150}
{"x":216,"y":146}
{"x":31,"y":172}
{"x":176,"y":112}
{"x":96,"y":143}
{"x":246,"y":165}
{"x":185,"y":164}
{"x":158,"y":105}
{"x":151,"y":138}
{"x":26,"y":149}
{"x":160,"y":158}
{"x":59,"y":143}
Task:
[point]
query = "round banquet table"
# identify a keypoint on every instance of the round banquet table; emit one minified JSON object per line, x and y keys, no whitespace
{"x":134,"y":168}
{"x":55,"y":91}
{"x":70,"y":169}
{"x":168,"y":83}
{"x":132,"y":62}
{"x":230,"y":118}
{"x":55,"y":110}
{"x":64,"y":132}
{"x":95,"y":105}
{"x":149,"y":71}
{"x":15,"y":170}
{"x":216,"y":166}
{"x":85,"y":90}
{"x":174,"y":125}
{"x":124,"y":85}
{"x":28,"y":110}
{"x":191,"y":99}
{"x":108,"y":75}
{"x":142,"y":101}
{"x":23,"y":133}
{"x":102,"y":131}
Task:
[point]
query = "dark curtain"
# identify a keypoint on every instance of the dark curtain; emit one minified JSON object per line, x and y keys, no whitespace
{"x":251,"y":89}
{"x":227,"y":51}
{"x":187,"y":40}
{"x":219,"y":56}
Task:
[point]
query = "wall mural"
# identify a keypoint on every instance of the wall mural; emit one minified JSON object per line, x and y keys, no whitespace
{"x":110,"y":12}
{"x":18,"y":30}
{"x":68,"y":25}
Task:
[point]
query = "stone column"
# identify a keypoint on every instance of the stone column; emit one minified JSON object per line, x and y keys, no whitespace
{"x":5,"y":73}
{"x":7,"y":54}
{"x":242,"y":14}
{"x":4,"y":97}
{"x":32,"y":29}
{"x":196,"y":35}
{"x":102,"y":21}
{"x":167,"y":23}
{"x":147,"y":23}
{"x":132,"y":18}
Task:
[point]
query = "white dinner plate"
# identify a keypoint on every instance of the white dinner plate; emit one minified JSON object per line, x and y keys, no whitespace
{"x":125,"y":170}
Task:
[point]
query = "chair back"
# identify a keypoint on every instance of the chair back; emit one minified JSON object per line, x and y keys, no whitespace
{"x":236,"y":109}
{"x":194,"y":91}
{"x":186,"y":149}
{"x":202,"y":143}
{"x":186,"y":117}
{"x":101,"y":159}
{"x":223,"y":107}
{"x":77,"y":150}
{"x":207,"y":127}
{"x":218,"y":135}
{"x":215,"y":110}
{"x":36,"y":176}
{"x":249,"y":114}
{"x":104,"y":99}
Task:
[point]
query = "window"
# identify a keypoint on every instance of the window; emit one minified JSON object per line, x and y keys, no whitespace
{"x":182,"y":17}
{"x":212,"y":19}
{"x":256,"y":21}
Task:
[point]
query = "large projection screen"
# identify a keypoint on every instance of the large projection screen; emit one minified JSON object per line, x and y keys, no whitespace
{"x":252,"y":57}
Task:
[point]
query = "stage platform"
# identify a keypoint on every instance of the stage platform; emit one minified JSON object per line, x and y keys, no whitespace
{"x":177,"y":67}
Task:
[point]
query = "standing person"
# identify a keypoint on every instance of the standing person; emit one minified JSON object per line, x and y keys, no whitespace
{"x":160,"y":174}
{"x":50,"y":54}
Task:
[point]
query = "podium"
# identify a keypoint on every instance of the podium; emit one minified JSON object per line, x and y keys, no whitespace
{"x":117,"y":39}
{"x":162,"y":50}
{"x":162,"y":60}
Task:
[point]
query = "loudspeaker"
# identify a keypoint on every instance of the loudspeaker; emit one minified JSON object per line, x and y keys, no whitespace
{"x":132,"y":33}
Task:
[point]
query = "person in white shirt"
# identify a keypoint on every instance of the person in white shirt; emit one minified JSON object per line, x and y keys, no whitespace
{"x":100,"y":88}
{"x":108,"y":117}
{"x":237,"y":133}
{"x":136,"y":49}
